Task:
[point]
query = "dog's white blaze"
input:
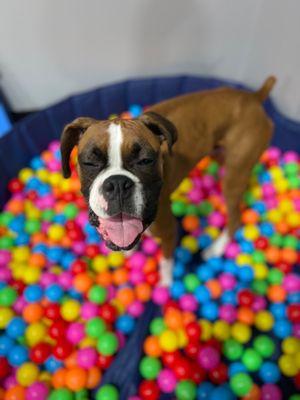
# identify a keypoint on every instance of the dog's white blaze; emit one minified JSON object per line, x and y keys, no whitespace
{"x":217,"y":248}
{"x":166,"y":271}
{"x":115,"y":167}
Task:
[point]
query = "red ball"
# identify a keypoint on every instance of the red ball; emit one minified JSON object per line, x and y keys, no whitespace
{"x":78,"y":266}
{"x":68,"y":197}
{"x":214,"y":343}
{"x":108,"y":312}
{"x":152,"y":278}
{"x":193,"y":331}
{"x":293,"y":313}
{"x":149,"y":390}
{"x":40,"y":352}
{"x":297,"y":380}
{"x":198,"y":374}
{"x":15,"y":185}
{"x":169,"y":359}
{"x":80,"y":203}
{"x":245,"y":298}
{"x":75,"y":235}
{"x":52,"y":311}
{"x":261,"y":243}
{"x":182,"y":368}
{"x":219,"y":375}
{"x":104,"y":361}
{"x":62,"y":349}
{"x":31,"y":195}
{"x":70,"y":225}
{"x":284,"y":266}
{"x":192,"y":349}
{"x":58,"y":329}
{"x":4,"y":368}
{"x":19,"y":286}
{"x":170,"y":304}
{"x":92,"y":250}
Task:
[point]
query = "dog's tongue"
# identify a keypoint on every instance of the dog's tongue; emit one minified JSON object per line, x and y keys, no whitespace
{"x":122,"y":230}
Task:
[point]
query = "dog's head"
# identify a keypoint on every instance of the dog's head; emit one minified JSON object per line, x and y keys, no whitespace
{"x":120,"y":166}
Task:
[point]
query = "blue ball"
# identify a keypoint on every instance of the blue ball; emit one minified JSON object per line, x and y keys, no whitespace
{"x":204,"y":272}
{"x":17,"y":224}
{"x":54,"y":292}
{"x":22,"y":239}
{"x":230,"y":267}
{"x":37,"y":163}
{"x":282,"y":328}
{"x":247,"y":247}
{"x":210,"y":311}
{"x":239,"y":236}
{"x":16,"y":327}
{"x":278,"y":310}
{"x":229,"y":297}
{"x":183,"y":255}
{"x":177,"y":289}
{"x":216,"y":263}
{"x":222,"y":393}
{"x":178,"y":270}
{"x":293,"y":297}
{"x":259,"y":207}
{"x":202,"y":294}
{"x":235,"y":368}
{"x":54,"y":254}
{"x":269,"y":372}
{"x":6,"y":343}
{"x":204,"y":390}
{"x":17,"y":355}
{"x":67,"y":259}
{"x":60,"y":219}
{"x":267,"y":229}
{"x":33,"y":293}
{"x":39,"y":248}
{"x":125,"y":324}
{"x":204,"y":241}
{"x":52,"y":364}
{"x":74,"y":294}
{"x":246,"y":274}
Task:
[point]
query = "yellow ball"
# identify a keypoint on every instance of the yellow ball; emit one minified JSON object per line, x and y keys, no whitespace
{"x":119,"y":306}
{"x":31,"y":275}
{"x":243,"y":259}
{"x":290,"y":345}
{"x":25,"y":174}
{"x":21,"y":254}
{"x":70,"y":310}
{"x":6,"y":314}
{"x":297,"y":359}
{"x":88,"y":342}
{"x":221,"y":330}
{"x":281,"y":185}
{"x":45,"y":377}
{"x":251,"y":232}
{"x":206,"y":329}
{"x":168,"y":341}
{"x":116,"y":259}
{"x":55,"y":179}
{"x":18,"y":270}
{"x":65,"y":185}
{"x":190,"y":243}
{"x":274,"y":216}
{"x":182,"y":338}
{"x":256,"y":192}
{"x":33,"y":213}
{"x":56,"y":232}
{"x":261,"y":271}
{"x":276,"y":172}
{"x":100,"y":264}
{"x":186,"y":185}
{"x":27,"y":374}
{"x":212,"y":231}
{"x":293,"y":219}
{"x":264,"y":321}
{"x":35,"y":333}
{"x":287,"y":365}
{"x":285,"y":206}
{"x":241,"y":332}
{"x":43,"y":175}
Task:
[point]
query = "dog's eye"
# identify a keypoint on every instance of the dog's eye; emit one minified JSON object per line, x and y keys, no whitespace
{"x":145,"y":161}
{"x":91,"y":164}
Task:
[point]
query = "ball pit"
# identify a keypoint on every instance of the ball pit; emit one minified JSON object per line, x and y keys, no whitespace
{"x":229,"y":327}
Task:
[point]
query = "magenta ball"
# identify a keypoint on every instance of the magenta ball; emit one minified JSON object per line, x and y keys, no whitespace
{"x":137,"y":260}
{"x":166,"y":381}
{"x":208,"y":358}
{"x":87,"y":357}
{"x":37,"y":391}
{"x":149,"y":246}
{"x":160,"y":295}
{"x":270,"y":392}
{"x":227,"y":281}
{"x":89,"y":310}
{"x":259,"y":303}
{"x":188,"y":302}
{"x":75,"y":332}
{"x":227,"y":312}
{"x":136,"y":308}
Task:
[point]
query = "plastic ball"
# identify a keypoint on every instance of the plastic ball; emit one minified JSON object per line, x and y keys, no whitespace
{"x":27,"y":374}
{"x":252,"y":360}
{"x":269,"y":372}
{"x":168,"y":341}
{"x":185,"y":390}
{"x":241,"y":384}
{"x":107,"y":344}
{"x":107,"y":392}
{"x":150,"y":367}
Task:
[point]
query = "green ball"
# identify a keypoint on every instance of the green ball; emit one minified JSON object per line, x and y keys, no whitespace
{"x":294,"y":182}
{"x":204,"y":208}
{"x":258,"y":257}
{"x":291,"y":168}
{"x":6,"y":217}
{"x":249,"y":198}
{"x":6,"y":242}
{"x":82,"y":394}
{"x":150,"y":367}
{"x":212,"y":168}
{"x":232,"y":349}
{"x":275,"y":276}
{"x":191,"y":209}
{"x":107,"y":344}
{"x":97,"y":294}
{"x":295,"y":397}
{"x":290,"y":241}
{"x":252,"y":360}
{"x":48,"y":215}
{"x":186,"y":390}
{"x":157,"y":326}
{"x":61,"y":394}
{"x":107,"y":392}
{"x":32,"y":226}
{"x":276,"y":240}
{"x":95,"y":327}
{"x":258,"y":168}
{"x":241,"y":384}
{"x":264,"y":346}
{"x":191,"y":282}
{"x":8,"y":296}
{"x":259,"y":286}
{"x":178,"y":208}
{"x":70,"y":211}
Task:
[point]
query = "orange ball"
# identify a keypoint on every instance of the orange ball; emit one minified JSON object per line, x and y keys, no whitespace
{"x":37,"y":260}
{"x":82,"y":282}
{"x":276,"y":293}
{"x":76,"y":379}
{"x":15,"y":393}
{"x":150,"y":265}
{"x":289,"y":255}
{"x":66,"y":241}
{"x":59,"y":378}
{"x":204,"y":163}
{"x":120,"y":276}
{"x":15,"y":206}
{"x":250,"y":217}
{"x":272,"y":254}
{"x":126,"y":296}
{"x":71,"y":360}
{"x":104,"y":278}
{"x":33,"y":313}
{"x":254,"y":393}
{"x":173,"y":319}
{"x":282,"y":227}
{"x":152,"y":347}
{"x":37,"y":238}
{"x":93,"y":378}
{"x":245,"y":315}
{"x":2,"y":394}
{"x":187,"y":317}
{"x":143,"y":291}
{"x":213,"y":285}
{"x":190,"y":223}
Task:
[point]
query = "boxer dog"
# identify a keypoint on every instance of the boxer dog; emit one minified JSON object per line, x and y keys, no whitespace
{"x":129,"y":168}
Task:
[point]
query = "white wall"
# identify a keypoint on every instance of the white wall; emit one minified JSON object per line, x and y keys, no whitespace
{"x":53,"y":48}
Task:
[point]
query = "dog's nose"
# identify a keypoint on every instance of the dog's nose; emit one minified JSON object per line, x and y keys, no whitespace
{"x":117,"y":185}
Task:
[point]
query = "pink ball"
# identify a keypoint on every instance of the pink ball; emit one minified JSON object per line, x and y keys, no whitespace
{"x":5,"y":274}
{"x":160,"y":295}
{"x":208,"y":181}
{"x":87,"y":357}
{"x":82,"y":218}
{"x":290,"y":156}
{"x":37,"y":391}
{"x":103,"y":249}
{"x":166,"y":381}
{"x":136,"y":308}
{"x":136,"y":276}
{"x":137,"y":260}
{"x":268,"y":190}
{"x":296,"y":330}
{"x":216,"y":219}
{"x":54,"y":146}
{"x":149,"y":246}
{"x":19,"y":305}
{"x":271,"y":203}
{"x":75,"y":332}
{"x":89,"y":310}
{"x":208,"y":358}
{"x":259,"y":303}
{"x":291,"y":283}
{"x":65,"y":279}
{"x":111,"y":292}
{"x":47,"y":279}
{"x":227,"y":281}
{"x":232,"y":250}
{"x":270,"y":392}
{"x":195,"y":195}
{"x":48,"y":201}
{"x":188,"y":302}
{"x":5,"y":257}
{"x":273,"y":153}
{"x":78,"y":248}
{"x":54,"y":165}
{"x":227,"y":312}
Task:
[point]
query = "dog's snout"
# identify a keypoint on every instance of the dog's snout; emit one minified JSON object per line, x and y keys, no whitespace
{"x":117,"y":185}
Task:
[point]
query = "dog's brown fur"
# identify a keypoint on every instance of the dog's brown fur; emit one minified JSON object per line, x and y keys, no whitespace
{"x":232,"y":119}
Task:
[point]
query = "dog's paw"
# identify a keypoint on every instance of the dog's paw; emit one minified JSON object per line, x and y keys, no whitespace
{"x":166,"y":271}
{"x":217,"y":248}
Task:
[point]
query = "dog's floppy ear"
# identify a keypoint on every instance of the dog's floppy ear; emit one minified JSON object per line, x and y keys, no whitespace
{"x":70,"y":138}
{"x":161,"y":127}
